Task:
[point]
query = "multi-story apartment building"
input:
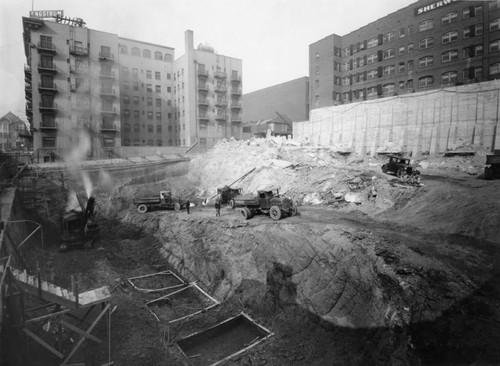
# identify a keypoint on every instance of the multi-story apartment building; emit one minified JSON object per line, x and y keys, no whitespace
{"x":427,"y":45}
{"x":79,"y":80}
{"x":146,"y":94}
{"x":12,"y":132}
{"x":207,"y":93}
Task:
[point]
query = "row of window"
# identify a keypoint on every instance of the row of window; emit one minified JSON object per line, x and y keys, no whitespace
{"x":149,"y":87}
{"x":136,"y":114}
{"x":425,"y":25}
{"x":149,"y":73}
{"x":149,"y":101}
{"x":50,"y":142}
{"x":126,"y":142}
{"x":137,"y":128}
{"x":136,"y":51}
{"x":422,"y":45}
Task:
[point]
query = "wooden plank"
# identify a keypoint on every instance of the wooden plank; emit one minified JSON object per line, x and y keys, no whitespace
{"x":79,"y":331}
{"x":32,"y":320}
{"x":65,"y":293}
{"x":43,"y":343}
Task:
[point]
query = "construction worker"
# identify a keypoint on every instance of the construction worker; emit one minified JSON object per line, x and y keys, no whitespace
{"x":188,"y":206}
{"x":372,"y":196}
{"x":217,"y":207}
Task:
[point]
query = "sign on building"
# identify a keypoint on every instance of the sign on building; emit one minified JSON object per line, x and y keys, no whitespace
{"x":46,"y":13}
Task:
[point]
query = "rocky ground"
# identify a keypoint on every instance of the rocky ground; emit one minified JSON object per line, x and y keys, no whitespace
{"x":410,"y":278}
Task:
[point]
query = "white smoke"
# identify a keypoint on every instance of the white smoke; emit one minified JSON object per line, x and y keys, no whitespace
{"x":74,"y":161}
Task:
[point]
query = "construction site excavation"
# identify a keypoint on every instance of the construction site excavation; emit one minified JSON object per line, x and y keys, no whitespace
{"x":260,"y":252}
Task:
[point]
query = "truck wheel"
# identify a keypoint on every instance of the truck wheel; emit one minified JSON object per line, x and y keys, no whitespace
{"x":401,"y":172}
{"x":232,"y":204}
{"x":275,"y":213}
{"x":384,"y":168}
{"x":177,"y":206}
{"x":142,"y":209}
{"x":294,"y":210}
{"x":246,"y":213}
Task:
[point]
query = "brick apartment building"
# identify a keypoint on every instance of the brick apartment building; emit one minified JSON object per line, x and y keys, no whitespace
{"x":426,"y":45}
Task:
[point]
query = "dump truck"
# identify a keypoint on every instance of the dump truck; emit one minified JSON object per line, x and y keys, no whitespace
{"x":267,"y":202}
{"x":163,"y":201}
{"x":493,"y":166}
{"x":78,"y":226}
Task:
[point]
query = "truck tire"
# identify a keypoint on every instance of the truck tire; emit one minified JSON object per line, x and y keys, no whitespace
{"x":177,"y":206}
{"x":246,"y":213}
{"x":401,"y":172}
{"x":232,"y":204}
{"x":294,"y":210}
{"x":142,"y":209}
{"x":275,"y":213}
{"x":384,"y":168}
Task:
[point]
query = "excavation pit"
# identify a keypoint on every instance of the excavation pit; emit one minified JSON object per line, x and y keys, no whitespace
{"x":155,"y":282}
{"x":181,"y":304}
{"x":226,"y":340}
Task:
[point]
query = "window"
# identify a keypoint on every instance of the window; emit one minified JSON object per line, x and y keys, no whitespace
{"x":472,"y":11}
{"x":46,"y":42}
{"x":473,"y":30}
{"x":149,"y":88}
{"x":49,"y":141}
{"x":409,"y":84}
{"x":150,"y":102}
{"x":158,"y":142}
{"x":495,"y":25}
{"x":410,"y":65}
{"x":495,"y":69}
{"x":136,"y":51}
{"x":158,"y":102}
{"x":126,"y":114}
{"x":150,"y":128}
{"x":125,"y":71}
{"x":126,"y":127}
{"x":148,"y":74}
{"x":473,"y":51}
{"x":401,"y":67}
{"x":389,"y":70}
{"x":495,"y":46}
{"x":126,"y":142}
{"x":389,"y":37}
{"x":136,"y":127}
{"x":389,"y":53}
{"x":136,"y":142}
{"x":108,"y":142}
{"x":135,"y":73}
{"x":158,"y":88}
{"x":495,"y":4}
{"x":373,"y":42}
{"x":401,"y":50}
{"x":125,"y":85}
{"x":372,"y":74}
{"x":123,"y":49}
{"x":402,"y":32}
{"x":136,"y":99}
{"x":126,"y":99}
{"x":361,"y":62}
{"x":425,"y":61}
{"x":449,"y":77}
{"x":401,"y":85}
{"x":425,"y":81}
{"x":449,"y":37}
{"x":473,"y":72}
{"x":388,"y":88}
{"x":105,"y":52}
{"x":371,"y":91}
{"x":449,"y":18}
{"x":449,"y":56}
{"x":136,"y":86}
{"x":158,"y":116}
{"x":168,"y":57}
{"x":146,"y":53}
{"x":426,"y":25}
{"x":136,"y":115}
{"x":410,"y":47}
{"x":48,"y":120}
{"x":157,"y":75}
{"x":158,"y":55}
{"x":426,"y":43}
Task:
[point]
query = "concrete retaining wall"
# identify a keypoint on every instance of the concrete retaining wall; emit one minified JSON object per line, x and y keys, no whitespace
{"x":427,"y":122}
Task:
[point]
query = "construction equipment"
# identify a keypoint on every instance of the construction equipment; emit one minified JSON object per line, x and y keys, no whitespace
{"x":78,"y":227}
{"x":232,"y":192}
{"x":228,"y":194}
{"x":163,"y":201}
{"x":493,"y":169}
{"x":268,"y":202}
{"x":400,"y":166}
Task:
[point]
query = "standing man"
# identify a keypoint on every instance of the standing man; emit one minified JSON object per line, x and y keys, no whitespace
{"x":188,"y":206}
{"x":217,"y":208}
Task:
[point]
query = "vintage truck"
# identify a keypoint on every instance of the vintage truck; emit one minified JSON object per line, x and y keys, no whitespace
{"x":268,"y":202}
{"x":227,"y":194}
{"x":493,"y":169}
{"x":163,"y":201}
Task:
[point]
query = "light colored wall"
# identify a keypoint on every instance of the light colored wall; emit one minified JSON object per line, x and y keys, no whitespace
{"x":428,"y":122}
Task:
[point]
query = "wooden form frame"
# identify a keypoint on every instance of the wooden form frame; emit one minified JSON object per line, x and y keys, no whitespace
{"x":246,"y":347}
{"x":181,"y":282}
{"x":192,"y":285}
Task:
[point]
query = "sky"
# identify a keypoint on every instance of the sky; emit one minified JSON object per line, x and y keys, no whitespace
{"x":272,"y":37}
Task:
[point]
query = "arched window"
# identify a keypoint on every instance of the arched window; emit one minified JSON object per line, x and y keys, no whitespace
{"x":168,"y":57}
{"x":449,"y":77}
{"x":426,"y":61}
{"x":426,"y":43}
{"x":123,"y":49}
{"x":146,"y":53}
{"x":158,"y":56}
{"x":425,"y":81}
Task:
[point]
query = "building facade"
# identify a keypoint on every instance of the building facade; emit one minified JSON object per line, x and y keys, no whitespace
{"x":207,"y":94}
{"x":87,"y":85}
{"x":426,"y":45}
{"x":12,"y":132}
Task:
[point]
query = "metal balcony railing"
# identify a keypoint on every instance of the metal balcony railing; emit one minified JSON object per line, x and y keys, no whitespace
{"x":78,"y":50}
{"x":107,"y":74}
{"x":48,"y":125}
{"x":220,"y":74}
{"x":107,"y":92}
{"x":105,"y":56}
{"x":45,"y":46}
{"x":202,"y":73}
